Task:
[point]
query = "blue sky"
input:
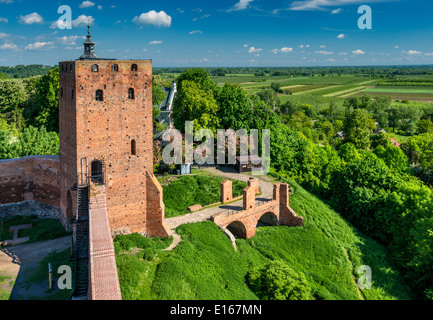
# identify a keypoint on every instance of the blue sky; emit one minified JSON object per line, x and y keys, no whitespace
{"x":221,"y":33}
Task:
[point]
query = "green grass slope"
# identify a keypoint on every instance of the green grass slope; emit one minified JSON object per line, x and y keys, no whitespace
{"x":328,"y":250}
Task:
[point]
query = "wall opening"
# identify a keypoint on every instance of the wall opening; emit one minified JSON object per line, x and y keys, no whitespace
{"x":99,"y":95}
{"x":134,"y":67}
{"x":133,"y":148}
{"x":95,"y":68}
{"x":114,"y":68}
{"x":97,"y":172}
{"x":267,"y":220}
{"x":238,"y":229}
{"x":131,"y":94}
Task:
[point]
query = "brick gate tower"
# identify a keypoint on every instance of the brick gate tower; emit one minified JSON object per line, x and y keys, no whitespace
{"x":106,"y":135}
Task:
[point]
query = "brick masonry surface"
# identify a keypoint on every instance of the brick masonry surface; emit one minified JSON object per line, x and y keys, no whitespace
{"x":30,"y":178}
{"x":115,"y":128}
{"x":244,"y":221}
{"x":104,"y":281}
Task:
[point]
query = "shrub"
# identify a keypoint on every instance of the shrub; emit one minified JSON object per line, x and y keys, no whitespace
{"x":277,"y":281}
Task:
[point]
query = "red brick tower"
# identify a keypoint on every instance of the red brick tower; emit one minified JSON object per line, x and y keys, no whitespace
{"x":106,"y":132}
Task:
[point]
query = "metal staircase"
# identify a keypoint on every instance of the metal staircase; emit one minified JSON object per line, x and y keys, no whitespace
{"x":81,"y":253}
{"x":82,"y":243}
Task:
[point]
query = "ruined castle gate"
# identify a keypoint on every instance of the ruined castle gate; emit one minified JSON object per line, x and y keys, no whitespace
{"x":275,"y":211}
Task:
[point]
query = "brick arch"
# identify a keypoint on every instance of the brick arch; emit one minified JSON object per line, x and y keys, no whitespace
{"x":269,"y":218}
{"x":238,"y":228}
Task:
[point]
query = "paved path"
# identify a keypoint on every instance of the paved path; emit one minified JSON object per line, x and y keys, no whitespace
{"x":265,"y":187}
{"x":17,"y":261}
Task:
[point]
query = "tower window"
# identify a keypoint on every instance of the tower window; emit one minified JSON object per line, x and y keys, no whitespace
{"x":115,"y":68}
{"x":73,"y":94}
{"x":95,"y":68}
{"x":131,"y":94}
{"x":134,"y":67}
{"x":99,"y":95}
{"x":133,"y":148}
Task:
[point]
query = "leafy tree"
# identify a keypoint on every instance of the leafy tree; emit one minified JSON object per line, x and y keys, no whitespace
{"x":329,"y":130}
{"x":348,"y":152}
{"x":235,"y":108}
{"x":419,"y":150}
{"x":197,"y":75}
{"x":43,"y":107}
{"x":357,"y":129}
{"x":381,"y":139}
{"x":269,"y":96}
{"x":196,"y":104}
{"x":409,"y":117}
{"x":9,"y":148}
{"x":276,"y":87}
{"x":277,"y":281}
{"x":34,"y":141}
{"x":394,"y":157}
{"x":424,"y":126}
{"x":299,"y":120}
{"x":13,"y":96}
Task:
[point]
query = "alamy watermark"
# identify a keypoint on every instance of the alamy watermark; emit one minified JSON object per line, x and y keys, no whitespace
{"x":366,"y":20}
{"x":182,"y":152}
{"x":365,"y":280}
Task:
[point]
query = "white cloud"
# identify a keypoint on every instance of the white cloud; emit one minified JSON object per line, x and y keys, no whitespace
{"x":285,"y":49}
{"x":196,"y":31}
{"x":324,"y":52}
{"x":396,"y":47}
{"x":414,"y":52}
{"x":4,"y":35}
{"x":6,"y":1}
{"x":100,"y":7}
{"x":359,"y":51}
{"x":70,"y":41}
{"x":155,"y":42}
{"x":337,"y":11}
{"x":429,"y":54}
{"x":241,"y":5}
{"x":159,"y":19}
{"x":322,"y":46}
{"x":330,"y":60}
{"x":282,"y":50}
{"x":312,"y":5}
{"x":82,"y":20}
{"x":31,"y":18}
{"x":254,"y":50}
{"x":342,"y":54}
{"x":86,"y":4}
{"x":5,"y":20}
{"x":341,"y":36}
{"x":9,"y":46}
{"x":39,"y":46}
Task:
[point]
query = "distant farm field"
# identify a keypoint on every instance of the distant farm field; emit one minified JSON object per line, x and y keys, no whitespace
{"x":321,"y":90}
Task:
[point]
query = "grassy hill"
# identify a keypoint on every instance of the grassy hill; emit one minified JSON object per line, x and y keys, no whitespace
{"x":327,"y":250}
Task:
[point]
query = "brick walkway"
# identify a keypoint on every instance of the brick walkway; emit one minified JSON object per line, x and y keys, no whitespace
{"x":104,"y":281}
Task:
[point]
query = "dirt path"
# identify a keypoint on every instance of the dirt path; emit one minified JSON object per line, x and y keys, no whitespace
{"x":19,"y":261}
